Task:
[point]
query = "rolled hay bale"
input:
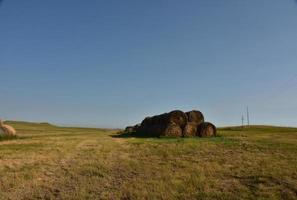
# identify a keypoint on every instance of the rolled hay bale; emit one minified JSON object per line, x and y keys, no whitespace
{"x":145,"y":125}
{"x":7,"y":130}
{"x":158,"y":130}
{"x":2,"y":133}
{"x":190,"y":129}
{"x":146,"y":122}
{"x":195,"y":116}
{"x":207,"y":129}
{"x":177,"y":117}
{"x":149,"y":127}
{"x":162,"y":124}
{"x":172,"y":130}
{"x":161,"y":119}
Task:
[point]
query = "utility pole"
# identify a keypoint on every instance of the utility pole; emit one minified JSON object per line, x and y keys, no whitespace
{"x":248,"y":116}
{"x":242,"y":121}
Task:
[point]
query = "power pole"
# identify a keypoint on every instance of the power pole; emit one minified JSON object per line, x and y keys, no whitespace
{"x":248,"y":116}
{"x":242,"y":121}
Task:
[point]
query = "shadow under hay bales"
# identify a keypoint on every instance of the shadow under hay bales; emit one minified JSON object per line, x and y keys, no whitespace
{"x":139,"y":134}
{"x":134,"y":134}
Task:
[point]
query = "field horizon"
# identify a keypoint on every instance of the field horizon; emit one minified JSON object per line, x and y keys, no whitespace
{"x":122,"y":128}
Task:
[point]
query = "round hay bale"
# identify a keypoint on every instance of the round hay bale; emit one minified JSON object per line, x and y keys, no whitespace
{"x":145,"y":125}
{"x":2,"y":133}
{"x":163,"y":124}
{"x":162,"y":119}
{"x":190,"y":129}
{"x":7,"y":130}
{"x":151,"y":129}
{"x":172,"y":130}
{"x":195,"y":116}
{"x":207,"y":129}
{"x":147,"y":121}
{"x":177,"y":117}
{"x":158,"y":130}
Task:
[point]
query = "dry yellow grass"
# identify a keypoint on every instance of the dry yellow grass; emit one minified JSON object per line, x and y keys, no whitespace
{"x":48,"y":162}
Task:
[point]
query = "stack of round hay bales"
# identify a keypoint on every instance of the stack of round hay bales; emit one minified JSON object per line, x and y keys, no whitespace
{"x":176,"y":124}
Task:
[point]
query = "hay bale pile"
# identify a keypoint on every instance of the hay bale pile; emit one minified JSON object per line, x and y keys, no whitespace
{"x":176,"y":124}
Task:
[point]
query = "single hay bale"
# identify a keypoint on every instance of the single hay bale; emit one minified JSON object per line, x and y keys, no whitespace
{"x":154,"y":130}
{"x":150,"y":127}
{"x":7,"y":130}
{"x":161,"y":119}
{"x":195,"y":116}
{"x":207,"y":129}
{"x":158,"y":130}
{"x":145,"y":125}
{"x":190,"y":129}
{"x":162,"y":124}
{"x":172,"y":130}
{"x":177,"y":117}
{"x":2,"y":133}
{"x":146,"y":122}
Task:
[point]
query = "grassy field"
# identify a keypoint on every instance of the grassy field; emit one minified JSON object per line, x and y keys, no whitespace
{"x":48,"y":162}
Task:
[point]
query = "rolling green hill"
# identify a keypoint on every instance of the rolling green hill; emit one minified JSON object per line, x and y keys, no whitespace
{"x":51,"y":162}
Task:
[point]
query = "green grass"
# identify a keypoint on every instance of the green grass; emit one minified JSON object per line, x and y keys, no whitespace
{"x":6,"y":137}
{"x":50,"y":162}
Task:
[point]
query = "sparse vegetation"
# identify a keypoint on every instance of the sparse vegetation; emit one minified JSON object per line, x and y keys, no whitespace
{"x":49,"y":162}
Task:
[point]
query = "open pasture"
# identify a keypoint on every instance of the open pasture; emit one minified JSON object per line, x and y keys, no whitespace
{"x":49,"y":162}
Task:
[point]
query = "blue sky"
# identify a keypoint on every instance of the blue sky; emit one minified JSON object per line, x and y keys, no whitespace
{"x":111,"y":63}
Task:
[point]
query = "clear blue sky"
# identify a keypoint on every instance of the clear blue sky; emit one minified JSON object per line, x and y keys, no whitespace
{"x":111,"y":63}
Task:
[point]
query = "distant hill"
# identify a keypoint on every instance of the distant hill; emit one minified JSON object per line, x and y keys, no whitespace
{"x":23,"y":125}
{"x":254,"y":128}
